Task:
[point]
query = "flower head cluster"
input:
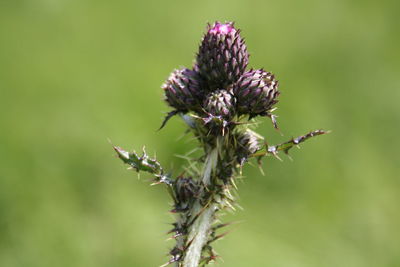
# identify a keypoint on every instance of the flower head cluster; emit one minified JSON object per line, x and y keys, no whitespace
{"x":219,"y":88}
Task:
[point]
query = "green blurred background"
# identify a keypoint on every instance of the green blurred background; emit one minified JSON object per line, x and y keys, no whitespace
{"x":75,"y":73}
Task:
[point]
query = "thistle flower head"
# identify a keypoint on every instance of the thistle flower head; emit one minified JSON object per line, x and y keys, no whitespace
{"x":249,"y":142}
{"x":182,"y":90}
{"x":220,"y":103}
{"x":222,"y":56}
{"x":256,"y":92}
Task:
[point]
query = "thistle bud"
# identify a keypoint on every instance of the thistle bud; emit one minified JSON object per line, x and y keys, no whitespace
{"x":185,"y":190}
{"x":182,"y":90}
{"x":222,"y":56}
{"x":256,"y":92}
{"x":249,"y":142}
{"x":220,"y":103}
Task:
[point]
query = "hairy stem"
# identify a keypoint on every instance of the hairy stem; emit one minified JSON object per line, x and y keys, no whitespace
{"x":199,"y":231}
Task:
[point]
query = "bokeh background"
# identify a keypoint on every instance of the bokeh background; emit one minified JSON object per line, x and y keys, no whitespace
{"x":75,"y":73}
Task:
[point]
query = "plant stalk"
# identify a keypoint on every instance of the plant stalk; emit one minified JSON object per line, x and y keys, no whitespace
{"x":199,"y":231}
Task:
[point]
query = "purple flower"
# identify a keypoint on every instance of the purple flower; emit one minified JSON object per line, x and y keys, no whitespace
{"x":222,"y":56}
{"x":219,"y":28}
{"x":256,"y":92}
{"x":182,"y":90}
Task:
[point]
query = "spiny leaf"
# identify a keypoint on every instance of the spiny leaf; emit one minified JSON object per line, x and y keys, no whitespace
{"x":143,"y":163}
{"x":286,"y":146}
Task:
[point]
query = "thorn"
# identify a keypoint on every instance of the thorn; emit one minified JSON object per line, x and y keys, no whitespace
{"x":175,"y":236}
{"x":218,"y":237}
{"x":221,"y":225}
{"x":233,"y":181}
{"x":260,"y":166}
{"x":124,"y":155}
{"x":212,"y":258}
{"x":197,"y":215}
{"x":144,"y":152}
{"x":239,"y":207}
{"x":190,"y":242}
{"x":166,"y":264}
{"x":230,"y":205}
{"x":277,"y":157}
{"x":166,"y":119}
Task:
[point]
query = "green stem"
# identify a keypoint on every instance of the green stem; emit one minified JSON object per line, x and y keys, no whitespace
{"x":199,"y":231}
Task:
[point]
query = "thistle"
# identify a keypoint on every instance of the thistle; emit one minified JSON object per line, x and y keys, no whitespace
{"x":183,"y":91}
{"x":222,"y":57}
{"x":217,"y":99}
{"x":257,"y":92}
